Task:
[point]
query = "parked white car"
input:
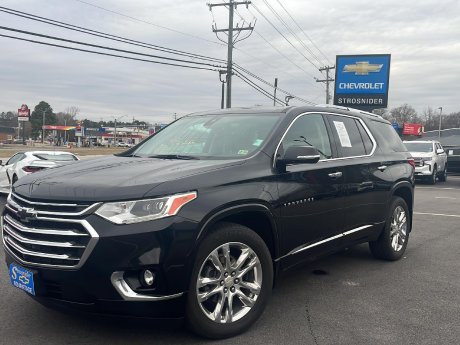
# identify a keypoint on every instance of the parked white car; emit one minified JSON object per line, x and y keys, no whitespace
{"x":430,"y":159}
{"x":25,"y":163}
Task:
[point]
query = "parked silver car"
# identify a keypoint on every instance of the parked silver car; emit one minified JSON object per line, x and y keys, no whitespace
{"x":430,"y":159}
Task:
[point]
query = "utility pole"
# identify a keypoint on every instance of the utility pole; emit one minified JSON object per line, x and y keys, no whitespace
{"x":231,"y":40}
{"x":439,"y":130}
{"x":274,"y":92}
{"x":327,"y":80}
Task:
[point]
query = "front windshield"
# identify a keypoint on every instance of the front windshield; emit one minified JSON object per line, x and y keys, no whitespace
{"x":419,"y":147}
{"x":210,"y":137}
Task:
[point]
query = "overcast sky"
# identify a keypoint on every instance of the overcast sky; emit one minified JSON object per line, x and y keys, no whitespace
{"x":422,"y":36}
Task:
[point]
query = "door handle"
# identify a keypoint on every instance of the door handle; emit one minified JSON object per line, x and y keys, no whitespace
{"x":382,"y":167}
{"x":335,"y":175}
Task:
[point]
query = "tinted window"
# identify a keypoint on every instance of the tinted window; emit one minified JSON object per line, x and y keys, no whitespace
{"x":310,"y":130}
{"x":348,"y":137}
{"x":387,"y":137}
{"x":368,"y":145}
{"x":211,"y":136}
{"x":58,"y":157}
{"x":16,"y":158}
{"x":419,"y":147}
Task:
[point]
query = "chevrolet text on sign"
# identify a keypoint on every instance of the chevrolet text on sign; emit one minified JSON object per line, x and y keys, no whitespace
{"x":361,"y":81}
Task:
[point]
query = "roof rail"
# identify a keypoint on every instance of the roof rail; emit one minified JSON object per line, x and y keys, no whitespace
{"x":349,"y":109}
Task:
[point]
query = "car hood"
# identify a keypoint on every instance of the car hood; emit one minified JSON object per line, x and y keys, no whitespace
{"x":112,"y":178}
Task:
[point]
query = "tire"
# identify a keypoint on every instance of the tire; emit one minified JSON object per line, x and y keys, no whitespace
{"x":386,"y":247}
{"x":432,"y":178}
{"x":242,"y":242}
{"x":443,"y":176}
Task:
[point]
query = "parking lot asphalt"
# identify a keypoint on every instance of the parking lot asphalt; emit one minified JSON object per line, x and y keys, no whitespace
{"x":347,"y":298}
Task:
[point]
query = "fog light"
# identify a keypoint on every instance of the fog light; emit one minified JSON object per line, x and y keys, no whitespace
{"x":149,"y":277}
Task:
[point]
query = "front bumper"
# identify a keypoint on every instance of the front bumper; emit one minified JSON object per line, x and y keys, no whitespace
{"x":108,"y":281}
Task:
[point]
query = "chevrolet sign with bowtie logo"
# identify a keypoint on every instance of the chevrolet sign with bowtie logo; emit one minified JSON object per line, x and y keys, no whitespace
{"x":361,"y":81}
{"x":363,"y":68}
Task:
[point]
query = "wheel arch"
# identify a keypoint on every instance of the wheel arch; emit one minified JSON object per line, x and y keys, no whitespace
{"x":404,"y":190}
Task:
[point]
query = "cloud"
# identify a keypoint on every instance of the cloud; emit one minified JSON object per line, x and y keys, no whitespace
{"x":422,"y":37}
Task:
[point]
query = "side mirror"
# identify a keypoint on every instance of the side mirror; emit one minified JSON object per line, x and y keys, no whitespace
{"x":439,"y":151}
{"x":299,"y":155}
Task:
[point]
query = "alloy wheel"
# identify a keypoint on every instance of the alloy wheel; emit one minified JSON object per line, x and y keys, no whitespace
{"x":229,"y":282}
{"x":398,"y":231}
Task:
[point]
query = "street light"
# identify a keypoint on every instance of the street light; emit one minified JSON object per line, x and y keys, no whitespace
{"x":115,"y":129}
{"x":440,"y":113}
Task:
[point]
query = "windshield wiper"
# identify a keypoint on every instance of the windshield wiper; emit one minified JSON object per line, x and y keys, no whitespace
{"x":174,"y":157}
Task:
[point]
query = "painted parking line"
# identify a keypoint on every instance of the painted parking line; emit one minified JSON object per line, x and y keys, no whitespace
{"x":445,"y":197}
{"x":437,"y":214}
{"x":445,"y":188}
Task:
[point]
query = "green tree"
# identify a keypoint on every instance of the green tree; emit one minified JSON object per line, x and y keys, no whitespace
{"x":36,"y":118}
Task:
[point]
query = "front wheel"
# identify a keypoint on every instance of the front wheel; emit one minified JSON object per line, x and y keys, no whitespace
{"x":443,"y":176}
{"x":392,"y":243}
{"x":432,"y":178}
{"x":231,"y":282}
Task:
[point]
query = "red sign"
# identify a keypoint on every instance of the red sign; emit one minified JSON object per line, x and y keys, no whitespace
{"x":412,"y":129}
{"x":23,"y":113}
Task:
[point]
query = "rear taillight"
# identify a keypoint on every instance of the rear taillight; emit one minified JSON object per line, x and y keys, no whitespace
{"x":32,"y":169}
{"x":411,"y":161}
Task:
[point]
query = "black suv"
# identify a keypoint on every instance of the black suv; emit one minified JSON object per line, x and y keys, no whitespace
{"x":199,"y":219}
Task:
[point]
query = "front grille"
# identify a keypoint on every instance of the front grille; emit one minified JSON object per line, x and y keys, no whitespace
{"x":47,"y":234}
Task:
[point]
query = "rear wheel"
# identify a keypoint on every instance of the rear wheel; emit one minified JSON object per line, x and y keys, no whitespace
{"x":231,"y":282}
{"x":393,"y":241}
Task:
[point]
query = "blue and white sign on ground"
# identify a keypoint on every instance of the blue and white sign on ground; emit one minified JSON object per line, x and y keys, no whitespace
{"x":361,"y":81}
{"x":22,"y":278}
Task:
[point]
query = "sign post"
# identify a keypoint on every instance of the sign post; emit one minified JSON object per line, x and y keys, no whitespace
{"x":23,"y":116}
{"x":361,"y":81}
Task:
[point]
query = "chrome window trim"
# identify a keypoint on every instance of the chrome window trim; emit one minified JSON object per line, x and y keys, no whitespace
{"x":374,"y":143}
{"x":128,"y":294}
{"x":309,"y":246}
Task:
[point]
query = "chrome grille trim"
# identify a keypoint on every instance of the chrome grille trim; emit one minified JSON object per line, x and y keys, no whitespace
{"x":8,"y":219}
{"x":87,"y":209}
{"x":25,"y":251}
{"x":22,"y":239}
{"x":46,"y":239}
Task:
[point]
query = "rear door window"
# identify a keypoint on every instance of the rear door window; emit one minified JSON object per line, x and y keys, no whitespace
{"x":348,"y":137}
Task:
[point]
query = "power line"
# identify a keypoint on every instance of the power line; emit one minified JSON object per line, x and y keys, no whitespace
{"x":308,"y":37}
{"x":258,"y":88}
{"x":274,"y":26}
{"x":242,"y":69}
{"x":147,"y":22}
{"x":275,"y":48}
{"x":104,"y":47}
{"x":105,"y":35}
{"x":278,"y":16}
{"x":106,"y":54}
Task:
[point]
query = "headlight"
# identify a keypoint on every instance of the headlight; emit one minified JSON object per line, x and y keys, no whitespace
{"x":126,"y":212}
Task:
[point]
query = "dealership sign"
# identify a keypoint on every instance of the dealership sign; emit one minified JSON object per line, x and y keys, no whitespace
{"x":361,"y":81}
{"x":23,"y":113}
{"x":412,"y":129}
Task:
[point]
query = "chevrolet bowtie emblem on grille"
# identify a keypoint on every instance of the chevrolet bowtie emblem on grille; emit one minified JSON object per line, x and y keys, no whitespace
{"x":25,"y":214}
{"x":363,"y":68}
